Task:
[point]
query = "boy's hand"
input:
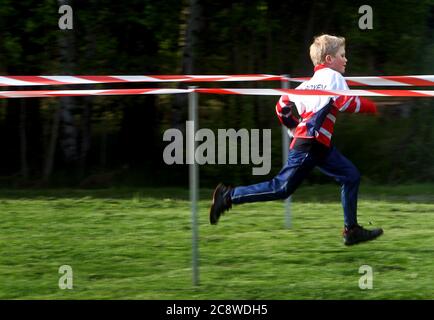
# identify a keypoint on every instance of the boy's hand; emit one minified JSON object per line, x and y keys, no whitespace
{"x":367,"y":106}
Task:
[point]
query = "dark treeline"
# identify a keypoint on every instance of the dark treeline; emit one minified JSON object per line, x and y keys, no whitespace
{"x":118,"y":140}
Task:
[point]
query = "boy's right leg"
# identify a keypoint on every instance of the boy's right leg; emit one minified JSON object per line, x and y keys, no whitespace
{"x":344,"y":171}
{"x":297,"y":167}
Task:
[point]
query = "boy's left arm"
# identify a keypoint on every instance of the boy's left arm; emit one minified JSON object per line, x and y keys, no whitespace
{"x":285,"y":112}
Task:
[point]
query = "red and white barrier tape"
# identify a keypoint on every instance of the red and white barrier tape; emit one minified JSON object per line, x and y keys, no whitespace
{"x":62,"y":80}
{"x":268,"y":92}
{"x":420,"y":80}
{"x":70,"y":93}
{"x":330,"y":93}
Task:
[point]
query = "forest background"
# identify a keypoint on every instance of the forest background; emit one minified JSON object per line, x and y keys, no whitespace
{"x":118,"y":140}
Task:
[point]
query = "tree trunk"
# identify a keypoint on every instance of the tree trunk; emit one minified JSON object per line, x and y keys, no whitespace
{"x":193,"y":28}
{"x":49,"y":159}
{"x":23,"y":141}
{"x":62,"y":117}
{"x":85,"y":135}
{"x":307,"y":40}
{"x":190,"y":34}
{"x":103,"y":150}
{"x":67,"y":104}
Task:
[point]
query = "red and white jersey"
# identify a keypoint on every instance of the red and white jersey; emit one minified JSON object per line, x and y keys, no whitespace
{"x":318,"y":113}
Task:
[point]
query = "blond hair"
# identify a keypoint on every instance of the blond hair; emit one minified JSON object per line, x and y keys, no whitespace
{"x":325,"y":45}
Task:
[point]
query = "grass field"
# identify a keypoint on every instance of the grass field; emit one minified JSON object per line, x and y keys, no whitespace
{"x":136,"y":244}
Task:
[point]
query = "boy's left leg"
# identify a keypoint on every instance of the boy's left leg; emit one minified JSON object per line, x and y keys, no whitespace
{"x":297,"y":167}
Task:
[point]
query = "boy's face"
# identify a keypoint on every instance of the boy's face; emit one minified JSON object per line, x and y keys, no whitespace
{"x":338,"y":61}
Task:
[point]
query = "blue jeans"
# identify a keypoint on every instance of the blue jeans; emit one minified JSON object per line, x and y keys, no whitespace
{"x":298,"y":166}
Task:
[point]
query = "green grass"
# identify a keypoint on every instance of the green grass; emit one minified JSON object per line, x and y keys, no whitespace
{"x":136,"y":244}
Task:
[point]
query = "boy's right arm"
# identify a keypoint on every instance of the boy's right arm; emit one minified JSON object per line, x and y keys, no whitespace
{"x":351,"y":104}
{"x":355,"y":105}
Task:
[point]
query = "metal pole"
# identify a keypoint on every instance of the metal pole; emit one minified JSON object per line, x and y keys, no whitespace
{"x":285,"y":149}
{"x":194,"y":180}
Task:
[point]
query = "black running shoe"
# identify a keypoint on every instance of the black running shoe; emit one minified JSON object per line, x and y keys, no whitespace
{"x":221,"y":202}
{"x":358,"y":234}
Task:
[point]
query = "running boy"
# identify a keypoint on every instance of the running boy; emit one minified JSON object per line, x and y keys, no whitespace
{"x":311,"y":144}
